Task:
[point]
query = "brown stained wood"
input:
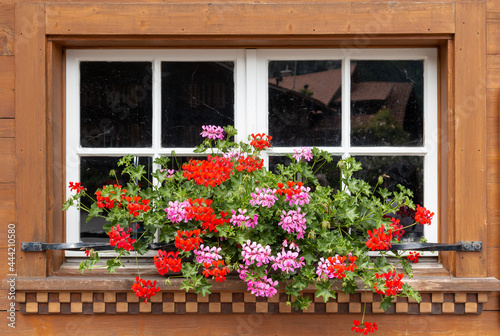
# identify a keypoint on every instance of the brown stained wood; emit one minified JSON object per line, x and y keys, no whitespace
{"x":493,"y":7}
{"x":7,"y":210}
{"x":7,"y":86}
{"x":493,"y":169}
{"x":31,"y":135}
{"x":7,"y":128}
{"x":493,"y":103}
{"x":7,"y":153}
{"x":6,"y":28}
{"x":55,"y":150}
{"x":485,"y":324}
{"x":446,"y":152}
{"x":118,"y":283}
{"x":470,"y":135}
{"x":493,"y":141}
{"x":493,"y":302}
{"x":494,"y":268}
{"x":493,"y":64}
{"x":251,"y":19}
{"x":493,"y":202}
{"x":493,"y":31}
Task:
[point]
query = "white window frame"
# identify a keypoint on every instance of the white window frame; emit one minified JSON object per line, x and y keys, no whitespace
{"x":251,"y":107}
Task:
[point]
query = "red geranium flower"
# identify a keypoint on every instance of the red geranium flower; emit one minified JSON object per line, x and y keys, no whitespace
{"x":413,"y":256}
{"x":120,"y":238}
{"x":167,"y":261}
{"x":393,"y":283}
{"x":210,"y":172}
{"x":368,"y":327}
{"x":423,"y":216}
{"x":145,"y":289}
{"x":379,"y":239}
{"x":217,"y":269}
{"x":261,"y":141}
{"x":188,"y":240}
{"x":76,"y":186}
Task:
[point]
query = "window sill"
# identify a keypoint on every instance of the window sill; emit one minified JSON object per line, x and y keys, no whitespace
{"x":421,"y":283}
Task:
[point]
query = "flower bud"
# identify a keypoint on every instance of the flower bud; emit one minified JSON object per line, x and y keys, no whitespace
{"x":325,"y":224}
{"x":311,"y":235}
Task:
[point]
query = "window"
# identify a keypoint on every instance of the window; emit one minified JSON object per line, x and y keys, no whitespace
{"x":379,"y":105}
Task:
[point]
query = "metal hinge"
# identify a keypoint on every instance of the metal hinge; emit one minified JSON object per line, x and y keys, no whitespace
{"x":461,"y":246}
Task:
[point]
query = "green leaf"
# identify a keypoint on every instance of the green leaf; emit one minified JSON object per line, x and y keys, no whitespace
{"x":203,"y":288}
{"x":386,"y":302}
{"x":324,"y":291}
{"x":112,"y":265}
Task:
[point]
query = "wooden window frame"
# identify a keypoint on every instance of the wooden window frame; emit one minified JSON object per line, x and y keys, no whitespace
{"x":43,"y":31}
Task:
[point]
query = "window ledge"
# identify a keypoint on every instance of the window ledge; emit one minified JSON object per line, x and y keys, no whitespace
{"x":113,"y":283}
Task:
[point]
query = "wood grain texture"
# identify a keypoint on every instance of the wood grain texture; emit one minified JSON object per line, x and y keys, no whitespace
{"x":55,"y":150}
{"x":7,"y":210}
{"x":493,"y":62}
{"x":493,"y":31}
{"x":7,"y":128}
{"x":486,"y":324}
{"x":7,"y":71}
{"x":493,"y":103}
{"x":470,"y":135}
{"x":7,"y":153}
{"x":31,"y":147}
{"x":6,"y":28}
{"x":493,"y":203}
{"x":251,"y":19}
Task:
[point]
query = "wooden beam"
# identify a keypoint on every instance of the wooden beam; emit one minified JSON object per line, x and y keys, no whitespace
{"x":7,"y":76}
{"x":470,"y":135}
{"x":6,"y":28}
{"x":31,"y":147}
{"x":355,"y":19}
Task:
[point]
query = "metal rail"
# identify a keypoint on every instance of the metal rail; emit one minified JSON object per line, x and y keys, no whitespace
{"x":462,"y":246}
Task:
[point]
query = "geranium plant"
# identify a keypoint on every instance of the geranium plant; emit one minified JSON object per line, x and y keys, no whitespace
{"x":225,"y":213}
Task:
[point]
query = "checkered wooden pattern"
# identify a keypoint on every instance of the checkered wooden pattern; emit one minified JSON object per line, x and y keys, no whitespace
{"x":180,"y":302}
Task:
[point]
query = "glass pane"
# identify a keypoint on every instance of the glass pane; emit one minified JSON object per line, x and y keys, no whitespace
{"x":405,"y":170}
{"x":115,"y":104}
{"x":305,"y":100}
{"x":195,"y":94}
{"x":94,"y":174}
{"x":327,"y":175}
{"x":387,"y":103}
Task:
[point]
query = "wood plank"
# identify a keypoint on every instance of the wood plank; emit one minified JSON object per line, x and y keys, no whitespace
{"x":493,"y":35}
{"x":31,"y":149}
{"x":55,"y":157}
{"x":493,"y":103}
{"x":493,"y":202}
{"x":493,"y":141}
{"x":493,"y":64}
{"x":251,"y":19}
{"x":7,"y":86}
{"x":446,"y":153}
{"x":6,"y":28}
{"x":7,"y":128}
{"x":484,"y":324}
{"x":7,"y":153}
{"x":493,"y":302}
{"x":4,"y":272}
{"x":7,"y":210}
{"x":494,"y":267}
{"x":470,"y":135}
{"x":493,"y":7}
{"x":493,"y":169}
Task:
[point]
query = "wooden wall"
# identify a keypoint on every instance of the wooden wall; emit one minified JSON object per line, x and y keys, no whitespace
{"x":487,"y":323}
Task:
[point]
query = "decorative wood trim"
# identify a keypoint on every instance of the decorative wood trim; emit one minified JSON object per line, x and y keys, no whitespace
{"x":470,"y":135}
{"x":251,"y":19}
{"x":31,"y":135}
{"x":180,"y":302}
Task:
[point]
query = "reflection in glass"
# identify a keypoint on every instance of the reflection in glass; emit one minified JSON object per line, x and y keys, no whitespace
{"x":405,"y":170}
{"x":387,"y":103}
{"x":195,"y":94}
{"x":94,"y":174}
{"x":305,"y":103}
{"x":327,"y":175}
{"x":115,"y":104}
